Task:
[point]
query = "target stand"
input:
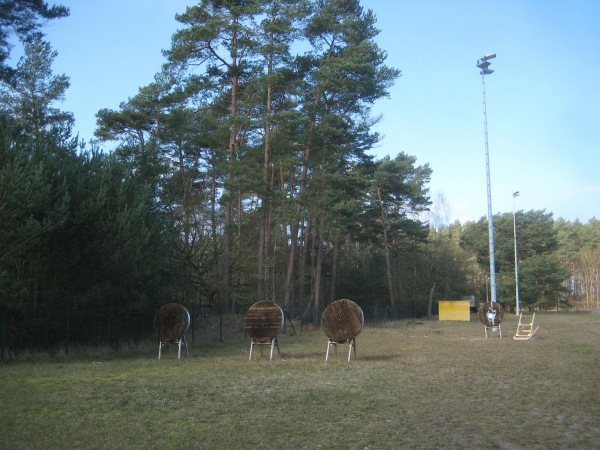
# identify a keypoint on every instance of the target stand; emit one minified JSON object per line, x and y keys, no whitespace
{"x":493,"y":329}
{"x":342,"y":321}
{"x":272,"y":342}
{"x":178,"y":342}
{"x":171,"y":322}
{"x":352,"y":347}
{"x":490,"y":315}
{"x":262,"y":323}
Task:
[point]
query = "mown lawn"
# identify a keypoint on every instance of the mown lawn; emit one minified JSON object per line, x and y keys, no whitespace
{"x":414,"y":385}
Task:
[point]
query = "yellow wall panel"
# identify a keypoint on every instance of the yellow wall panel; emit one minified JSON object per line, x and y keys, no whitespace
{"x":455,"y":310}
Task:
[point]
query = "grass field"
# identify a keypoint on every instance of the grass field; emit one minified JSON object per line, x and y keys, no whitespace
{"x":414,"y":385}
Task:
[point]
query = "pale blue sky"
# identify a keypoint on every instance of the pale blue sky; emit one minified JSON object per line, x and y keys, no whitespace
{"x":543,"y":100}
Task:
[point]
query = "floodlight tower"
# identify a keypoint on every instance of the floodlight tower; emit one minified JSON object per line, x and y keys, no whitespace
{"x":518,"y":310}
{"x":484,"y":64}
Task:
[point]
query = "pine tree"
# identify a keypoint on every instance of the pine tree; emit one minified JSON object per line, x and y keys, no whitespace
{"x":23,"y":18}
{"x":220,"y":39}
{"x":31,"y":97}
{"x":344,"y":73}
{"x":399,"y":194}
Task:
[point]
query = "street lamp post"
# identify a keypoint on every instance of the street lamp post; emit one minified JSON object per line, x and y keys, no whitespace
{"x":518,"y":310}
{"x":484,"y":64}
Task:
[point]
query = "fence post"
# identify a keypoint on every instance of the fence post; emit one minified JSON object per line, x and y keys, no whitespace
{"x":284,"y":314}
{"x":192,"y":324}
{"x":118,"y":331}
{"x":67,"y":331}
{"x":221,"y":323}
{"x":3,"y":325}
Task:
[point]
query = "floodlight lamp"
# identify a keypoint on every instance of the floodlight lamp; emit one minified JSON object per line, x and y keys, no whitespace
{"x":486,"y":72}
{"x":482,"y":64}
{"x":516,"y":194}
{"x":488,"y":56}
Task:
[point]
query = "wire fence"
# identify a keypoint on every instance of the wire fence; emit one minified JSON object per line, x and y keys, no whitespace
{"x":120,"y":325}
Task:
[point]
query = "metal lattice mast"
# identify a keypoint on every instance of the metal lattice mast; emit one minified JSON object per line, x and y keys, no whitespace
{"x":484,"y":64}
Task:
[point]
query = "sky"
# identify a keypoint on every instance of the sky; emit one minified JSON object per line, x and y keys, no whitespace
{"x":543,"y":99}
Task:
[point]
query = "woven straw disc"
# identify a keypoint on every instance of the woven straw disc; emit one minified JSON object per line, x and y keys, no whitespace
{"x":342,"y":320}
{"x":263,"y":320}
{"x":483,"y":309}
{"x":171,"y":322}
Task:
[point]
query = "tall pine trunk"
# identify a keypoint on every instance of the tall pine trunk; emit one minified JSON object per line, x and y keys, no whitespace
{"x":264,"y":230}
{"x":334,"y":265}
{"x":388,"y":255}
{"x":228,"y":232}
{"x":319,"y":270}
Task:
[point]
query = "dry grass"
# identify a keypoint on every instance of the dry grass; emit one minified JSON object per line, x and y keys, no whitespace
{"x":413,"y":385}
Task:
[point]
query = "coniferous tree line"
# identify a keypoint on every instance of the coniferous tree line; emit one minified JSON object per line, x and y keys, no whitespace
{"x":240,"y":174}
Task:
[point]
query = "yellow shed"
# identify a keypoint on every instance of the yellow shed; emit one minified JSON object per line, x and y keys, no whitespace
{"x":455,"y":310}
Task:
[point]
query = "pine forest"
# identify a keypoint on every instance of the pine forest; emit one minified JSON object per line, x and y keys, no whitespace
{"x":241,"y":174}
